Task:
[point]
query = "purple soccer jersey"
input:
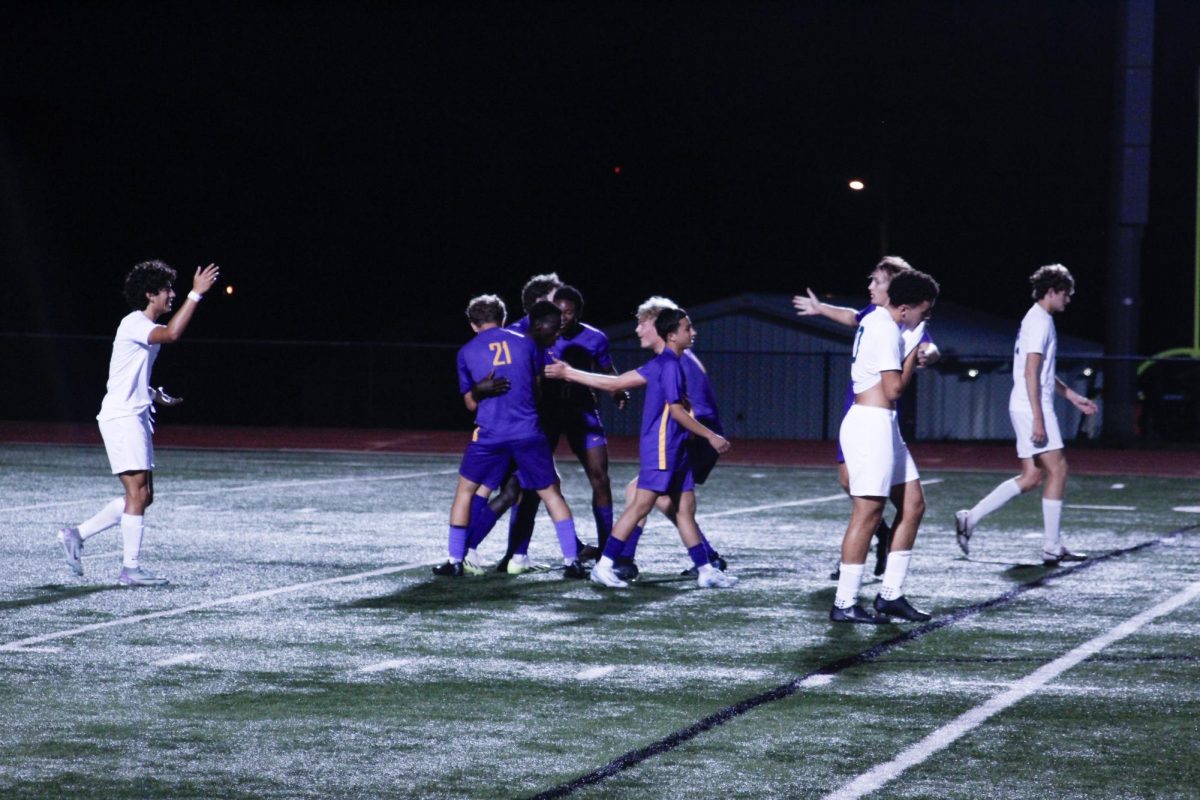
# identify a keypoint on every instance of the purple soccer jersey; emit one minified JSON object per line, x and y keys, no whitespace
{"x":521,"y":325}
{"x":587,"y":350}
{"x":511,"y":416}
{"x":662,"y":438}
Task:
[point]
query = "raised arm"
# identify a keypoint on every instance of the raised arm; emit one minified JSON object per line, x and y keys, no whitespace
{"x":812,"y":307}
{"x":560,"y":370}
{"x":171,"y":332}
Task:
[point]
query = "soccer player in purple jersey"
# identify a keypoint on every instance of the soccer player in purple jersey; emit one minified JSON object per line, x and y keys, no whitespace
{"x":700,"y":453}
{"x":877,"y":458}
{"x":570,"y":410}
{"x":1031,"y":408}
{"x":927,"y":355}
{"x":507,"y":430}
{"x":665,"y":469}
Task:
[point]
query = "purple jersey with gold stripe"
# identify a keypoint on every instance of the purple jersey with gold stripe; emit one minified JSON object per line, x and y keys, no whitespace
{"x":662,"y":438}
{"x":511,"y":416}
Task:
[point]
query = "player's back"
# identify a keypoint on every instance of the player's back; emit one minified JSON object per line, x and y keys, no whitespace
{"x":511,"y":416}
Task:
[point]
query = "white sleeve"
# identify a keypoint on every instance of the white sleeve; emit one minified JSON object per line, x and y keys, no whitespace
{"x":912,"y":337}
{"x":1034,"y":336}
{"x":883,"y":351}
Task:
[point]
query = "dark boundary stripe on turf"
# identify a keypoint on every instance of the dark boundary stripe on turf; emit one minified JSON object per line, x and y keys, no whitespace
{"x":670,"y":742}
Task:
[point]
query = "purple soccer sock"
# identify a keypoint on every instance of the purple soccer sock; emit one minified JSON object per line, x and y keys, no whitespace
{"x":603,"y":516}
{"x":613,"y":548}
{"x":483,"y":519}
{"x":699,"y":557}
{"x":458,"y":543}
{"x":709,"y":553}
{"x":566,"y":538}
{"x":630,"y":548}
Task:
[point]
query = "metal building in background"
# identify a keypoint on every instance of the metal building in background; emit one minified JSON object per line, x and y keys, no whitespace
{"x":780,"y":376}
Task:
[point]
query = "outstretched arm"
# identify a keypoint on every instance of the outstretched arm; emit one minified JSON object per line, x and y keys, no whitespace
{"x":203,"y":281}
{"x":559,"y":370}
{"x":812,"y":307}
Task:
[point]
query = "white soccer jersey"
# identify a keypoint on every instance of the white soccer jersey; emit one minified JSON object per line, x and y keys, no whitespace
{"x":877,"y":348}
{"x":1037,"y":335}
{"x":129,"y":368}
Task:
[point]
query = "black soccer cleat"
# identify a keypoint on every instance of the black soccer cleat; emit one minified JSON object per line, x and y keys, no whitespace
{"x":626,"y":570}
{"x":574,"y":570}
{"x":1051,"y":560}
{"x":855,"y":613}
{"x":900,"y":607}
{"x":451,"y":569}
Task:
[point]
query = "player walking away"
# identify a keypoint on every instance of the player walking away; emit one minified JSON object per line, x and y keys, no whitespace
{"x":877,"y":458}
{"x":927,"y":354}
{"x":665,"y":469}
{"x":1031,"y":408}
{"x":506,"y":431}
{"x":701,"y":454}
{"x":126,"y":413}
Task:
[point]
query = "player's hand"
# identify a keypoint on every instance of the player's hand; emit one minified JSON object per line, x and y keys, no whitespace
{"x":491,"y":386}
{"x":928,"y":354}
{"x":720,"y":443}
{"x":1084,"y":404}
{"x":556,"y":369}
{"x":205,"y":278}
{"x":1039,"y":436}
{"x":806,"y":306}
{"x":621,"y":399}
{"x":163,"y":399}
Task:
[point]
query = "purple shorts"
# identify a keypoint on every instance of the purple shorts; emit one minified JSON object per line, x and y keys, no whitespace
{"x":668,"y":481}
{"x":488,"y":463}
{"x":582,"y":427}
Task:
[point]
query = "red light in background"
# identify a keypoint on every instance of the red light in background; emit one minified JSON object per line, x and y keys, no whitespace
{"x":617,"y":170}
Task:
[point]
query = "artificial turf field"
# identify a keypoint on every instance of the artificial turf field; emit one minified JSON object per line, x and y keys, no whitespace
{"x":304,"y":650}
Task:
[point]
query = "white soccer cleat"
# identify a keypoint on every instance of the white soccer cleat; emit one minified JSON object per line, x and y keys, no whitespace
{"x":709,"y":577}
{"x":139,"y":576}
{"x":603,"y":574}
{"x":474,"y":565}
{"x":518,"y":564}
{"x":72,"y":546}
{"x":963,"y":531}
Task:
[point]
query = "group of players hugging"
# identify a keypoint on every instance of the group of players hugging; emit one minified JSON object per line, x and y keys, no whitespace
{"x":533,"y":383}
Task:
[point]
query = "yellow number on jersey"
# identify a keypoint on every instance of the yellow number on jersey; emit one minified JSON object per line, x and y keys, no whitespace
{"x":500,"y":356}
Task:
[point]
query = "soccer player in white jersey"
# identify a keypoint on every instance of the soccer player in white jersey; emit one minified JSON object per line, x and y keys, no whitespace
{"x":877,"y":459}
{"x":1031,"y":408}
{"x":125,"y":414}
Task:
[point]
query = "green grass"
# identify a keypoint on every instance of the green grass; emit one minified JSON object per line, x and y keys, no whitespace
{"x":400,"y":685}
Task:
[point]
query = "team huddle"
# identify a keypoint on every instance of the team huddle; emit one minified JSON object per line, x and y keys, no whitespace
{"x":533,"y":383}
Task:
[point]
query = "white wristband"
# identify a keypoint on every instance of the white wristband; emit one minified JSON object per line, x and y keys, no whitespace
{"x":195,"y":296}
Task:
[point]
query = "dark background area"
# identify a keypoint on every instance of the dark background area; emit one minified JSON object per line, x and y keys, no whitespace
{"x":359,"y":170}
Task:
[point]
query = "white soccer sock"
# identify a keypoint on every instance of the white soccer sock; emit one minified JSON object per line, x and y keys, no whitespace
{"x":849,"y":582}
{"x":1052,"y":519}
{"x":131,"y":533}
{"x":997,"y":498}
{"x":894,"y":575}
{"x":107,"y":517}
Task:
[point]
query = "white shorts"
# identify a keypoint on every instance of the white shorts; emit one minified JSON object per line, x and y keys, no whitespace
{"x":1022,"y":422}
{"x":876,"y":456}
{"x":129,"y":443}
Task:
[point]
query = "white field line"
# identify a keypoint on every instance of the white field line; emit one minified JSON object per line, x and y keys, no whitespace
{"x":1102,"y":508}
{"x":946,"y":735}
{"x":183,"y":658}
{"x":594,"y":673}
{"x":226,"y":601}
{"x":248,"y":488}
{"x":384,"y":666}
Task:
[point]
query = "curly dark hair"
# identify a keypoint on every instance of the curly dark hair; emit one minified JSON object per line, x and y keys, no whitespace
{"x":912,"y":287}
{"x":1051,"y":276}
{"x":148,"y":277}
{"x":572,"y":295}
{"x":539,"y":287}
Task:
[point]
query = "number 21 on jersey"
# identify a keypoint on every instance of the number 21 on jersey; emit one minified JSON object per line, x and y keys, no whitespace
{"x":500,"y":354}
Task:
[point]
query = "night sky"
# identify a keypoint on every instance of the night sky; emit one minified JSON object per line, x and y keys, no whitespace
{"x":359,"y":170}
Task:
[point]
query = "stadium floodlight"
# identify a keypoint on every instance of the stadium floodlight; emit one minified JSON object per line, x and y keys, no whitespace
{"x":856,"y":185}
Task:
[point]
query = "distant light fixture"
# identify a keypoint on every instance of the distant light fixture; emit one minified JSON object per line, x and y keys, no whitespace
{"x":972,"y":373}
{"x":1088,"y":372}
{"x":617,"y":170}
{"x":228,"y":290}
{"x":856,"y":185}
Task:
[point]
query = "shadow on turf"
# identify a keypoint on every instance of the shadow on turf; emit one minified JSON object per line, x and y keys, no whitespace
{"x":55,"y":593}
{"x":474,"y":591}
